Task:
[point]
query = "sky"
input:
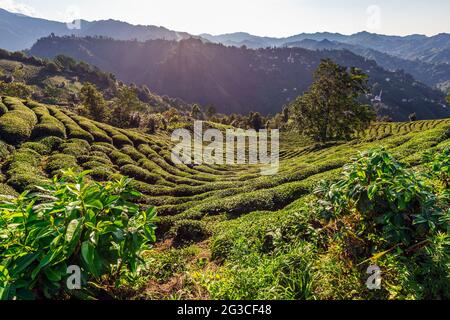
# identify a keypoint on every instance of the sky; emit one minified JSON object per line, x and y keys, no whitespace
{"x":275,"y":18}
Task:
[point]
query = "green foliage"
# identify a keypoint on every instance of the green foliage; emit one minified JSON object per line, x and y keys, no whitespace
{"x":163,"y":265}
{"x":75,"y":147}
{"x":395,"y":203}
{"x":39,"y":147}
{"x":283,"y":276}
{"x":126,"y":103}
{"x":72,"y":128}
{"x":93,"y":100}
{"x":139,"y":173}
{"x":3,"y":108}
{"x":48,"y":125}
{"x":330,"y":109}
{"x":121,"y":140}
{"x":70,"y":222}
{"x":189,"y":231}
{"x":6,"y":190}
{"x":23,"y":169}
{"x":4,"y":150}
{"x":58,"y":162}
{"x":51,"y":142}
{"x":98,"y":134}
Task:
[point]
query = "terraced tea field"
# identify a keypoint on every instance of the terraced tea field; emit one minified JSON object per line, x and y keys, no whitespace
{"x":230,"y":202}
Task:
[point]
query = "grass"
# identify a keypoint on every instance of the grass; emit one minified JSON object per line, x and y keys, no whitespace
{"x":232,"y":233}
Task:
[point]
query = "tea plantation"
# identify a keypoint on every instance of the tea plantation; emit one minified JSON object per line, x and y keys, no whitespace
{"x":226,"y":232}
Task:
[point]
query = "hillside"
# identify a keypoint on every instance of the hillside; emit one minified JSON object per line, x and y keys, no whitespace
{"x":238,"y":79}
{"x":59,"y":80}
{"x":225,"y":232}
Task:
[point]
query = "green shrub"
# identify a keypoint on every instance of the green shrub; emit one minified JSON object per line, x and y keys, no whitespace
{"x":5,"y":150}
{"x":189,"y":231}
{"x":121,"y":140}
{"x":101,"y":173}
{"x":121,"y":159}
{"x":103,"y":147}
{"x":135,"y":137}
{"x":166,"y":264}
{"x":103,"y":159}
{"x":3,"y":108}
{"x":25,"y":181}
{"x":282,"y":276}
{"x":40,"y":148}
{"x":23,"y":169}
{"x":133,"y":153}
{"x":58,"y":162}
{"x":14,"y":129}
{"x":74,"y":130}
{"x":75,"y":147}
{"x":17,"y":124}
{"x":49,"y":126}
{"x":51,"y":142}
{"x":104,"y":234}
{"x":16,"y":106}
{"x":439,"y":164}
{"x":98,"y":134}
{"x":138,"y":173}
{"x":6,"y":190}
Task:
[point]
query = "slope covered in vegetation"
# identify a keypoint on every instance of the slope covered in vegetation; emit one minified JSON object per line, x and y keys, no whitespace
{"x":228,"y":232}
{"x":239,"y":79}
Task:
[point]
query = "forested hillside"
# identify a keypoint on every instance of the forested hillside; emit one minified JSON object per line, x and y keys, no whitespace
{"x":239,"y":79}
{"x":60,"y":80}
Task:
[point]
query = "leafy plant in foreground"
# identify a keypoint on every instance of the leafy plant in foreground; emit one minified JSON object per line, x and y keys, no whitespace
{"x":389,"y":197}
{"x":72,"y":221}
{"x":382,"y":210}
{"x":439,"y":164}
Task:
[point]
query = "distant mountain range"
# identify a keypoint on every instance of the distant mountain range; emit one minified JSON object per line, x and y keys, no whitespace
{"x":433,"y":74}
{"x":434,"y":49}
{"x":426,"y":58}
{"x":239,"y":79}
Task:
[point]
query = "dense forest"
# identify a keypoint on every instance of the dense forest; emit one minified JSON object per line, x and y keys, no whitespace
{"x":239,"y":79}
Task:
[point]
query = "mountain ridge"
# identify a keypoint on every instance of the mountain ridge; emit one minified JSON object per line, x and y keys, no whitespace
{"x":238,"y":80}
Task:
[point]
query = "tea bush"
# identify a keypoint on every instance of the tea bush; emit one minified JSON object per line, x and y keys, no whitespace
{"x":70,"y":222}
{"x":98,"y":134}
{"x":395,"y":202}
{"x":3,"y":108}
{"x":139,"y":173}
{"x":121,"y":140}
{"x":58,"y":162}
{"x":189,"y":231}
{"x":23,"y":169}
{"x":17,"y":124}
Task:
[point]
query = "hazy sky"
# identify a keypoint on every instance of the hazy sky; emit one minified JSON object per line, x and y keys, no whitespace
{"x":259,"y":17}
